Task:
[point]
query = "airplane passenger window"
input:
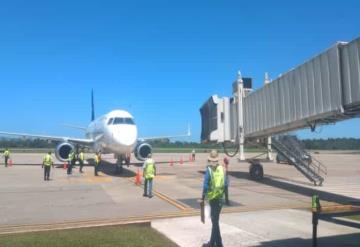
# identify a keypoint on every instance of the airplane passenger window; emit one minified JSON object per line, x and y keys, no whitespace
{"x":110,"y":121}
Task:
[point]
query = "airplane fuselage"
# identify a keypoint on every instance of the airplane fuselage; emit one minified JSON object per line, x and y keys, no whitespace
{"x":114,"y":132}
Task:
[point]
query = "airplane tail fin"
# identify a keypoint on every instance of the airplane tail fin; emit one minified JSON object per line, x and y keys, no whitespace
{"x":92,"y":106}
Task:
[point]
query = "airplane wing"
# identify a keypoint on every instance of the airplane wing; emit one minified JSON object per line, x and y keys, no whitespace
{"x":74,"y":126}
{"x":85,"y":142}
{"x":167,"y":137}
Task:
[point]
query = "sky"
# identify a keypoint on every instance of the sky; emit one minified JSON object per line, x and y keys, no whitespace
{"x":159,"y":60}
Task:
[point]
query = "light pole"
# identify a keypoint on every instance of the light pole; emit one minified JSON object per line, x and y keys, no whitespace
{"x":269,"y":151}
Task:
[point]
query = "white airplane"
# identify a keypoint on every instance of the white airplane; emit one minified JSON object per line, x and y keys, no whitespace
{"x":114,"y":132}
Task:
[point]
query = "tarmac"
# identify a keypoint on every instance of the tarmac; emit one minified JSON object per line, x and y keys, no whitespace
{"x":273,"y":212}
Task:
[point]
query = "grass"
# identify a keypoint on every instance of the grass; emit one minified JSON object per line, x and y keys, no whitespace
{"x":354,"y":217}
{"x":98,"y":236}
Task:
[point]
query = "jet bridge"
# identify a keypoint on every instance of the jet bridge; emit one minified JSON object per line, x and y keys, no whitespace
{"x":323,"y":90}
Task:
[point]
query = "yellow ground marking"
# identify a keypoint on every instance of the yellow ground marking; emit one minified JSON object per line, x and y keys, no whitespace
{"x":87,"y":177}
{"x":164,"y":177}
{"x":166,"y":198}
{"x":172,"y":201}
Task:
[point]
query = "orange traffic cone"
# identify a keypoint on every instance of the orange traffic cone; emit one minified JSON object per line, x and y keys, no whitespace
{"x":138,"y":178}
{"x":10,"y":162}
{"x":181,"y":160}
{"x":171,"y":162}
{"x":65,"y":165}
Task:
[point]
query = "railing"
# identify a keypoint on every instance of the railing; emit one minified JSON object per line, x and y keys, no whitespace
{"x":291,"y":149}
{"x":320,"y":167}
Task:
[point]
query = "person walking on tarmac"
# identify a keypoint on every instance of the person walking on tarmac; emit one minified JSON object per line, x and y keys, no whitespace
{"x":6,"y":156}
{"x":97,"y":162}
{"x":47,"y":163}
{"x":193,"y":155}
{"x":213,"y":191}
{"x":227,"y":182}
{"x":149,"y":172}
{"x":71,"y":162}
{"x":81,"y":159}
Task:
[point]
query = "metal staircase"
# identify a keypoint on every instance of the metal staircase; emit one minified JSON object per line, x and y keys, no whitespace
{"x":292,"y":149}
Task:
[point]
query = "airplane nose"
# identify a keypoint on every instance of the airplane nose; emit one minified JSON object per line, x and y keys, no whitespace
{"x":125,"y":137}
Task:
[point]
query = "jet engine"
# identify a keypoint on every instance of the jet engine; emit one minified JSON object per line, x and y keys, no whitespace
{"x":142,"y":150}
{"x":62,"y":151}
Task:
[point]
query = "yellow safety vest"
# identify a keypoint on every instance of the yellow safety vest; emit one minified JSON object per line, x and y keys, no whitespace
{"x":149,"y":169}
{"x":81,"y":156}
{"x":7,"y":153}
{"x":97,"y":159}
{"x":217,"y":183}
{"x":71,"y":156}
{"x":47,"y":160}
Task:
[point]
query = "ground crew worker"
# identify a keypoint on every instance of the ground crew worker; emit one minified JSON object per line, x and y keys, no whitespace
{"x":71,"y":162}
{"x":81,"y":159}
{"x":97,"y":162}
{"x":6,"y":156}
{"x":47,"y":163}
{"x":193,"y":155}
{"x":149,"y":172}
{"x":213,"y":191}
{"x":227,"y":182}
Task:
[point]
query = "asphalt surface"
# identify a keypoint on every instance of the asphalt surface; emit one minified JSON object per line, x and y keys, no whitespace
{"x":25,"y":198}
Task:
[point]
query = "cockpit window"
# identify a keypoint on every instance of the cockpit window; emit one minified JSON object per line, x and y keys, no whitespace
{"x":129,"y":121}
{"x":110,"y":121}
{"x":119,"y":120}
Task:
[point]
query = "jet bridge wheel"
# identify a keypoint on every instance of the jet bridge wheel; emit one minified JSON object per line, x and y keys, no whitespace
{"x":256,"y":171}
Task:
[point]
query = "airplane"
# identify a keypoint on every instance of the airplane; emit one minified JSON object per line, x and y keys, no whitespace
{"x":114,"y":132}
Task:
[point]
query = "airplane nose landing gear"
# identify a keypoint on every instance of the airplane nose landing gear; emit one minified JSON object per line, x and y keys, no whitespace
{"x":120,"y":161}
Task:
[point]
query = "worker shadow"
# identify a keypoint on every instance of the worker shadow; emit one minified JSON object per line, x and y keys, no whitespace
{"x":298,"y":188}
{"x":109,"y":169}
{"x":350,"y":240}
{"x":337,"y":218}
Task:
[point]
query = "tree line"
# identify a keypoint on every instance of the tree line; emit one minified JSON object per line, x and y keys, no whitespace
{"x":314,"y":144}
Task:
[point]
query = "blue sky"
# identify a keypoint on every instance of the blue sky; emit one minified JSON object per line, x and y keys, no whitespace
{"x":160,"y":60}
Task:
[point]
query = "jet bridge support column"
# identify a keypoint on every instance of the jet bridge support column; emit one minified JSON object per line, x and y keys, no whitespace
{"x":239,"y":95}
{"x":269,"y":151}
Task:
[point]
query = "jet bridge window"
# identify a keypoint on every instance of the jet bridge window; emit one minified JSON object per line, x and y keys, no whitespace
{"x":123,"y":121}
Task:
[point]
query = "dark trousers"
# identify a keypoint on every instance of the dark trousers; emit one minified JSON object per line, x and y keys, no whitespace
{"x":6,"y":161}
{"x":226,"y":192}
{"x":148,"y":187}
{"x":215,"y":239}
{"x":46,"y":172}
{"x":96,"y":169}
{"x":81,"y":165}
{"x":70,"y":166}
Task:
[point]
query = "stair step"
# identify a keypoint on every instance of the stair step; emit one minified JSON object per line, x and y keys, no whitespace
{"x":292,"y":151}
